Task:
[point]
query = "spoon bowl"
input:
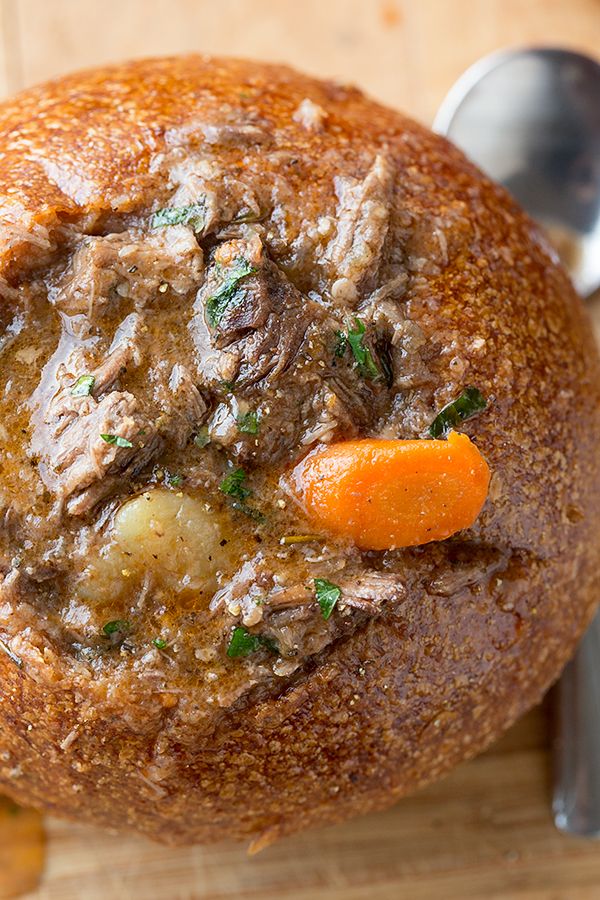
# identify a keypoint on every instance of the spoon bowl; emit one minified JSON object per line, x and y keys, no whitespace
{"x":531,"y":119}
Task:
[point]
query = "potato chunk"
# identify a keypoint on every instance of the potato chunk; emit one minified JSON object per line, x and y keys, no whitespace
{"x":172,"y":535}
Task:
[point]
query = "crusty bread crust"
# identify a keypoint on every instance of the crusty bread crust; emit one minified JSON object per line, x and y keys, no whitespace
{"x":439,"y":676}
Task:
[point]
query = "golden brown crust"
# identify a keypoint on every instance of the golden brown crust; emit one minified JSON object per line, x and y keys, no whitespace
{"x":434,"y":680}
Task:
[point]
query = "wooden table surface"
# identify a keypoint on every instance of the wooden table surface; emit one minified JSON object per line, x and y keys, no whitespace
{"x":485,"y":831}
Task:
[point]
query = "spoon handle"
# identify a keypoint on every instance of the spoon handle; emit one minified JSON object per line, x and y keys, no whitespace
{"x":576,"y":801}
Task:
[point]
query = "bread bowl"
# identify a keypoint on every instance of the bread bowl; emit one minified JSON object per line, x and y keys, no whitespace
{"x":187,"y":651}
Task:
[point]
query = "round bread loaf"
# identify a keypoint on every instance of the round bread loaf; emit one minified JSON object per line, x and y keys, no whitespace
{"x":210,"y":269}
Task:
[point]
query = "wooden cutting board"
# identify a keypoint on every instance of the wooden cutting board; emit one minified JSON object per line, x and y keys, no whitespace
{"x":486,"y":831}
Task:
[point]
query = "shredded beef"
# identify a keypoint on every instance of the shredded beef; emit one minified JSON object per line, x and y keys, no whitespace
{"x":67,"y":429}
{"x":130,"y":265}
{"x":288,"y":613}
{"x":353,"y":255}
{"x":262,"y":326}
{"x":272,"y":348}
{"x":182,"y":405}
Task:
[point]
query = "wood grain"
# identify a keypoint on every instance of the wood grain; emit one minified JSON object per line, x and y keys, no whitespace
{"x":405,"y":52}
{"x":7,"y":47}
{"x":486,"y":831}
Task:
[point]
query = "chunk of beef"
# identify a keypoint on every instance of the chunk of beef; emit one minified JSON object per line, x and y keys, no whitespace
{"x":131,"y":264}
{"x":250,"y":321}
{"x":270,"y":349}
{"x":125,"y":350}
{"x":183,"y":406}
{"x":290,"y":419}
{"x":267,"y":593}
{"x":296,"y":627}
{"x":163,"y":408}
{"x":353,"y":256}
{"x":222,"y":198}
{"x":74,"y":357}
{"x":75,"y":462}
{"x":80,"y":456}
{"x":255,"y":591}
{"x":334,"y":409}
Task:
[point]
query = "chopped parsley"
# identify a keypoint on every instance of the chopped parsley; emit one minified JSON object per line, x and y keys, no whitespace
{"x":84,"y":386}
{"x":173,"y":480}
{"x":470,"y":402}
{"x":248,"y":423}
{"x":117,"y":626}
{"x":328,"y":595}
{"x":219,"y":302}
{"x":363,"y":356}
{"x":341,"y":343}
{"x":354,"y":338}
{"x":12,"y":656}
{"x":116,"y":439}
{"x":242,"y":643}
{"x":193,"y":215}
{"x":159,"y":643}
{"x":249,"y":511}
{"x":233,"y":485}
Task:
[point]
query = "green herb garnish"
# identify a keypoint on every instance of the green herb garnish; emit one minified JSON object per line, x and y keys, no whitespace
{"x":249,"y":511}
{"x":218,"y":303}
{"x":233,"y":485}
{"x":470,"y":402}
{"x":248,"y":422}
{"x":194,"y":215}
{"x":116,"y":439}
{"x":84,"y":386}
{"x":242,"y":643}
{"x":341,"y":343}
{"x":117,"y":626}
{"x":363,"y":356}
{"x":328,"y":595}
{"x":12,"y":656}
{"x":173,"y":480}
{"x":159,"y":643}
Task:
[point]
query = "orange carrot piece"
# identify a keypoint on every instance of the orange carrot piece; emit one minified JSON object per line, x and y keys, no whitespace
{"x":384,"y":494}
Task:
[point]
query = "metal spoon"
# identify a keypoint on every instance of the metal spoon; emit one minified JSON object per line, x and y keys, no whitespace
{"x":531,"y":120}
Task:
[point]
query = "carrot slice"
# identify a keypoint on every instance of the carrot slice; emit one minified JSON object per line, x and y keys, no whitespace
{"x":384,"y":494}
